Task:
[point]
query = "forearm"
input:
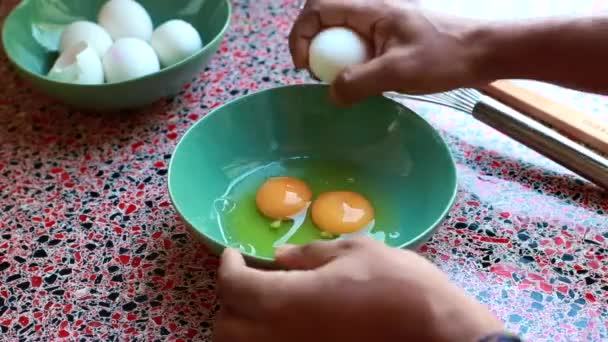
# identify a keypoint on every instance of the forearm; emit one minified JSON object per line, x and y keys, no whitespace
{"x":571,"y":52}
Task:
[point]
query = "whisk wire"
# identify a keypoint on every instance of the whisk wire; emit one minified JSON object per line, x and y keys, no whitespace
{"x":532,"y":133}
{"x":463,"y":99}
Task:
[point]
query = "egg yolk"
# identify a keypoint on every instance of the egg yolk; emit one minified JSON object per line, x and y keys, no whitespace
{"x":342,"y":212}
{"x":280,"y":198}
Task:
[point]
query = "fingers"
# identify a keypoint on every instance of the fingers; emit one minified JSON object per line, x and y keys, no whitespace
{"x":230,"y":328}
{"x":304,"y":29}
{"x":241,"y":287}
{"x":358,"y":82}
{"x":256,"y":294}
{"x":319,"y":14}
{"x":314,"y":255}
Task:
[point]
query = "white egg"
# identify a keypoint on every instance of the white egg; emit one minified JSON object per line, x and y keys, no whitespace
{"x":129,"y":58}
{"x":334,"y":49}
{"x":85,"y":31}
{"x":126,"y":19}
{"x":175,"y":41}
{"x":79,"y":64}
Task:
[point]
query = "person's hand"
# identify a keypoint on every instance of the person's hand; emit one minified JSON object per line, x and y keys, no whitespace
{"x":413,"y":51}
{"x":347,"y":290}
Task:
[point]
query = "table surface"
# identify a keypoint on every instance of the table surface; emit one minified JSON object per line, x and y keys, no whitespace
{"x":90,"y":247}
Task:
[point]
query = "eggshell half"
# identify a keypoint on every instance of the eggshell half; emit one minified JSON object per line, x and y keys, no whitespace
{"x":79,"y":64}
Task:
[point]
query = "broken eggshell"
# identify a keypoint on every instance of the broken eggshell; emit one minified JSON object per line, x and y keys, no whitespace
{"x":80,"y":64}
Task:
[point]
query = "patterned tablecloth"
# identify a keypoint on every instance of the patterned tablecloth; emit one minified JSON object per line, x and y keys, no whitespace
{"x":91,"y":249}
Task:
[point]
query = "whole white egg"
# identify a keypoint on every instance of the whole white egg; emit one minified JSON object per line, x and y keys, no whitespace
{"x":175,"y":41}
{"x":129,"y":58}
{"x":126,"y":19}
{"x":85,"y":31}
{"x":334,"y":49}
{"x":79,"y":64}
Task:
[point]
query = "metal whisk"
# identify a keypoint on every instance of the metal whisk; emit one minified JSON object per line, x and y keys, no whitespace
{"x":527,"y":131}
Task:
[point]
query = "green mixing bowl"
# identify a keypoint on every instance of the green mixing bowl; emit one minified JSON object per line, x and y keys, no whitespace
{"x":31,"y":36}
{"x":298,"y":124}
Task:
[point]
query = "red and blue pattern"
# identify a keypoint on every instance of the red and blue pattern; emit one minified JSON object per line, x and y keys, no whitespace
{"x":91,"y":249}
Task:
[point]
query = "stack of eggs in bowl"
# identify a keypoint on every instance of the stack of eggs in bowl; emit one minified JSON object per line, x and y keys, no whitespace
{"x":123,"y":46}
{"x":106,"y":55}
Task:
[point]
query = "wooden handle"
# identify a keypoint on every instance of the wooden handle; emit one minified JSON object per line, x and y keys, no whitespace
{"x":578,"y":126}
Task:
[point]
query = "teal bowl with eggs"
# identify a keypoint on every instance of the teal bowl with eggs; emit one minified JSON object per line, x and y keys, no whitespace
{"x":32,"y":31}
{"x":378,"y":148}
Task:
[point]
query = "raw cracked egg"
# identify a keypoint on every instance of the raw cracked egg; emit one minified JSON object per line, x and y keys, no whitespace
{"x":334,"y":49}
{"x":126,"y":19}
{"x":85,"y":31}
{"x":79,"y":64}
{"x":175,"y":41}
{"x":279,"y":198}
{"x":342,"y":212}
{"x":284,"y":198}
{"x":129,"y":58}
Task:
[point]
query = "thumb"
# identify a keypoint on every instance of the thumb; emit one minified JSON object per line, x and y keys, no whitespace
{"x":357,"y":82}
{"x":314,"y":255}
{"x":242,"y":289}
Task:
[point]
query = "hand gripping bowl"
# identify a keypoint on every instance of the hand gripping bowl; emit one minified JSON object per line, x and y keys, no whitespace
{"x":379,"y":135}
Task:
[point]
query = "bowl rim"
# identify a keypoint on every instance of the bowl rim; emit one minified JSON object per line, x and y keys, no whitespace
{"x":162,"y":71}
{"x":416,"y":241}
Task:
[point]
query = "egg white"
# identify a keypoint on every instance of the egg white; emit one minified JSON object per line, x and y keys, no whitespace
{"x":297,"y":221}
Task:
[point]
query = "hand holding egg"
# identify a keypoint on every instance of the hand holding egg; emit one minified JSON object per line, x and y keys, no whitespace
{"x":123,"y":44}
{"x":410,"y":50}
{"x":334,"y":49}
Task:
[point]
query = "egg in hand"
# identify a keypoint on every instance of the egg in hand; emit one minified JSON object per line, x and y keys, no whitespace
{"x":334,"y":49}
{"x":342,"y":213}
{"x":282,"y":199}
